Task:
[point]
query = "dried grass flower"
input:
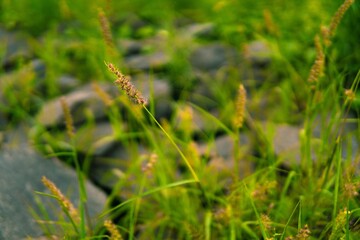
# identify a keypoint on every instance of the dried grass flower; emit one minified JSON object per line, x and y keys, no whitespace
{"x":114,"y":232}
{"x":64,"y":201}
{"x":317,"y":68}
{"x":124,"y":83}
{"x":240,"y":107}
{"x":68,"y":118}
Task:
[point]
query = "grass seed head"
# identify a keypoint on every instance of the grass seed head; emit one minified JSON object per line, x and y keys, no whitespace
{"x":124,"y":83}
{"x":106,"y":30}
{"x":350,"y":95}
{"x":114,"y":232}
{"x":64,"y":201}
{"x":304,"y":233}
{"x":339,"y":224}
{"x":104,"y":96}
{"x":149,"y":166}
{"x":240,"y":107}
{"x":317,"y":68}
{"x":68,"y":118}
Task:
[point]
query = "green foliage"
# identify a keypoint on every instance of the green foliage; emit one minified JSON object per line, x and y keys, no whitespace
{"x":183,"y":195}
{"x":33,"y":16}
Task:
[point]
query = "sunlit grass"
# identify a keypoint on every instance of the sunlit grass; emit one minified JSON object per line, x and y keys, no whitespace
{"x":179,"y":195}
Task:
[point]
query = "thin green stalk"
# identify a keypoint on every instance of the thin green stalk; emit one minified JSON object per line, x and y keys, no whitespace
{"x":135,"y":210}
{"x":337,"y":183}
{"x":288,"y":222}
{"x":82,"y":193}
{"x":262,"y":227}
{"x":152,"y":191}
{"x":205,"y":199}
{"x":300,"y":213}
{"x":174,"y":144}
{"x":347,"y":226}
{"x":208,"y":220}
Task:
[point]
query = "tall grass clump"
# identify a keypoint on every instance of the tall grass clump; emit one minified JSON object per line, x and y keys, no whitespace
{"x":179,"y":190}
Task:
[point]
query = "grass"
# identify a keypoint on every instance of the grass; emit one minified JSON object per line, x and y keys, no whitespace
{"x":175,"y":193}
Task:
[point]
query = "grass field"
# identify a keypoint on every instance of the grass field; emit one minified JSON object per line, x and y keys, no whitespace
{"x":312,"y":80}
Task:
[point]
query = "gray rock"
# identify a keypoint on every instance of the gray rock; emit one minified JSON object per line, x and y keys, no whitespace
{"x":67,"y":83}
{"x":257,"y":53}
{"x":197,"y":30}
{"x":213,"y":57}
{"x":79,"y":101}
{"x":350,"y":136}
{"x":148,"y":84}
{"x":99,"y":139}
{"x":154,"y":61}
{"x":3,"y":120}
{"x":157,"y":90}
{"x":109,"y":170}
{"x":14,"y":79}
{"x":16,"y":48}
{"x":130,"y":47}
{"x":21,"y":170}
{"x":221,"y":156}
{"x":286,"y":143}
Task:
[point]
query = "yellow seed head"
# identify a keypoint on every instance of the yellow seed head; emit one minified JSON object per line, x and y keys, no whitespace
{"x":339,"y":224}
{"x":269,"y":23}
{"x":351,"y":190}
{"x":350,"y":95}
{"x":148,"y":168}
{"x":304,"y":233}
{"x":261,"y":192}
{"x":124,"y":83}
{"x":68,"y":118}
{"x":104,"y":96}
{"x":339,"y":15}
{"x":266,"y":221}
{"x":106,"y":31}
{"x":114,"y":232}
{"x":64,"y":201}
{"x":240,"y":107}
{"x":317,"y":68}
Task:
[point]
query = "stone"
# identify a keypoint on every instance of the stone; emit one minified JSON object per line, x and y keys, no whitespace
{"x":286,"y":142}
{"x":197,"y":30}
{"x":221,"y":157}
{"x":3,"y":121}
{"x":157,"y":90}
{"x":91,"y":139}
{"x":154,"y":61}
{"x":350,"y":137}
{"x":79,"y":101}
{"x":21,"y":170}
{"x":257,"y":53}
{"x":148,"y":84}
{"x":16,"y":47}
{"x":213,"y":57}
{"x":129,"y":47}
{"x":67,"y":83}
{"x":108,"y":170}
{"x":33,"y":70}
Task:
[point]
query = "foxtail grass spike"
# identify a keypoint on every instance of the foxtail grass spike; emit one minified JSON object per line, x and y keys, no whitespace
{"x":317,"y":68}
{"x":114,"y":232}
{"x":104,"y":96}
{"x":329,"y":32}
{"x":68,"y":118}
{"x":124,"y":83}
{"x":240,"y":107}
{"x":64,"y":201}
